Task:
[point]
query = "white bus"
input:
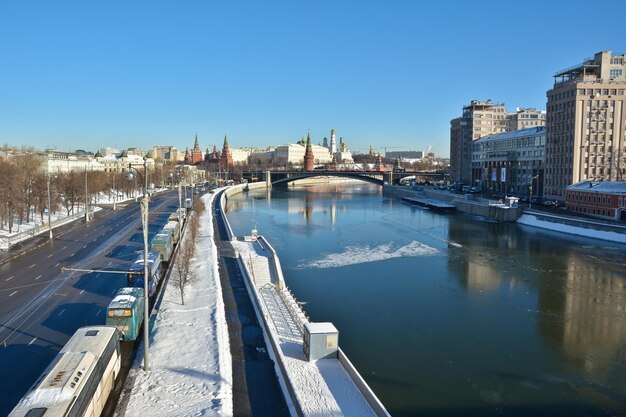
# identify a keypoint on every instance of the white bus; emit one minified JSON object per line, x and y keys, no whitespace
{"x":79,"y":379}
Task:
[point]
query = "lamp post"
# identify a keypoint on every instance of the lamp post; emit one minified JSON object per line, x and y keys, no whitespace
{"x":86,"y":198}
{"x":530,"y":192}
{"x":114,"y":190}
{"x":144,"y":221}
{"x":49,"y":208}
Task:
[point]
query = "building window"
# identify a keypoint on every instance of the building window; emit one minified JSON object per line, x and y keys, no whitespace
{"x":615,"y":73}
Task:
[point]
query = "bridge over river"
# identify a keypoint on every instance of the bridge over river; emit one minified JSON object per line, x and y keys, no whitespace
{"x":374,"y":177}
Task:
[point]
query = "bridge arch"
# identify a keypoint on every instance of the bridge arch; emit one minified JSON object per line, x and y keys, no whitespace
{"x":287,"y":178}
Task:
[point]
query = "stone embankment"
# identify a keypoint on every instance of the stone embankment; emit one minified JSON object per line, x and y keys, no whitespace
{"x":465,"y":203}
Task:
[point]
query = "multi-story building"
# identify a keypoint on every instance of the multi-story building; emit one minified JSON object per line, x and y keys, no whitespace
{"x":511,"y":162}
{"x":294,"y":153}
{"x":167,"y":153}
{"x":109,"y":151}
{"x":585,"y":121}
{"x":480,"y":118}
{"x":121,"y":162}
{"x":603,"y":199}
{"x":405,"y":154}
{"x":525,"y":118}
{"x":56,"y":161}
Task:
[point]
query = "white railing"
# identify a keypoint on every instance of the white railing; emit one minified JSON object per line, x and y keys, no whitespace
{"x":6,"y":242}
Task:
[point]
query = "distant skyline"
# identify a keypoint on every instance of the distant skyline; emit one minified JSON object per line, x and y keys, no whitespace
{"x":86,"y":75}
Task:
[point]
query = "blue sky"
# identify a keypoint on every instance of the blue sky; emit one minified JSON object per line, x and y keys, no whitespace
{"x":87,"y":74}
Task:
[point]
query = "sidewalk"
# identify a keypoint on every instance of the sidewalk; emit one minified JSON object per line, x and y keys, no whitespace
{"x":190,"y":363}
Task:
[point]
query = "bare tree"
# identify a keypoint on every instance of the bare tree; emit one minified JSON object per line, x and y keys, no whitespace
{"x":183,"y":265}
{"x":9,"y":192}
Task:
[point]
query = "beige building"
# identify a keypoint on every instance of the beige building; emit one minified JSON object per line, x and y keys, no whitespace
{"x":240,"y":155}
{"x":167,"y":153}
{"x":525,"y":118}
{"x":120,"y":163}
{"x":56,"y":161}
{"x":585,"y":121}
{"x":480,"y":118}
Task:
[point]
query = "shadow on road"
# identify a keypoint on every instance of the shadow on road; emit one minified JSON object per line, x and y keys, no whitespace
{"x":66,"y":318}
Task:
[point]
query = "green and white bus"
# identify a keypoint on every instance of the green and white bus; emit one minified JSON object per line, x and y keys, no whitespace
{"x":125,"y":312}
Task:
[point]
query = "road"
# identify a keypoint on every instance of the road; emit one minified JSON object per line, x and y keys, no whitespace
{"x":41,"y":306}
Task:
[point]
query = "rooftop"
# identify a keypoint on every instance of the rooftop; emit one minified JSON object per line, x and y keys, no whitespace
{"x":614,"y":187}
{"x":514,"y":134}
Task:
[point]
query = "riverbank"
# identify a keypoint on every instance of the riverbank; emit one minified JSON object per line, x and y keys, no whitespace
{"x":574,"y":226}
{"x":464,"y":203}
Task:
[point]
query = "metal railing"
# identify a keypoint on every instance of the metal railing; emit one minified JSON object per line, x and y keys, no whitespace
{"x":6,"y":242}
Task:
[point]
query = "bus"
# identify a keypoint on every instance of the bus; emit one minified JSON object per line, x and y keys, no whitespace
{"x":174,"y":227}
{"x":125,"y":312}
{"x":135,"y":272}
{"x":79,"y":379}
{"x":179,"y":215}
{"x":162,"y":242}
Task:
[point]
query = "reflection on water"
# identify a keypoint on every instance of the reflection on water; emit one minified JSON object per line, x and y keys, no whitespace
{"x":449,"y":314}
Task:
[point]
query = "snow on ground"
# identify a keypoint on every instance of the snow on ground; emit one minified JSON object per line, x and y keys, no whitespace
{"x":361,"y":254}
{"x":530,"y":220}
{"x":190,"y":362}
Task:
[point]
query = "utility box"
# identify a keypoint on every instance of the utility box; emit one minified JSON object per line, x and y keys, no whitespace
{"x":321,"y":341}
{"x":511,"y":201}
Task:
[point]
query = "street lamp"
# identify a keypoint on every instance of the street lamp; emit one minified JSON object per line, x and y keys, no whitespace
{"x":144,"y":221}
{"x":530,"y":192}
{"x":114,"y":190}
{"x":86,"y":198}
{"x":49,"y":206}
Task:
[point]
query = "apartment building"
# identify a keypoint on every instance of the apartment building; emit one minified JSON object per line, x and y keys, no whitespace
{"x":585,"y":122}
{"x":511,"y":162}
{"x":480,"y":118}
{"x":525,"y":118}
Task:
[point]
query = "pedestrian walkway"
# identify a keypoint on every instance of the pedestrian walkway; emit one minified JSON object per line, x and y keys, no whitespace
{"x":189,"y":353}
{"x":320,"y":388}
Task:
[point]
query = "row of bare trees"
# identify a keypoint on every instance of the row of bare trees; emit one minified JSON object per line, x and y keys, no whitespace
{"x":24,"y":186}
{"x":187,"y":247}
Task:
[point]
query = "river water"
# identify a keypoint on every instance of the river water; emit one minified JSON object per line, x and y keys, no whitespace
{"x":452,"y":315}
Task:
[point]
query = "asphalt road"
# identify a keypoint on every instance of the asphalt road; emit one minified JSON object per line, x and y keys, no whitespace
{"x":42,"y":306}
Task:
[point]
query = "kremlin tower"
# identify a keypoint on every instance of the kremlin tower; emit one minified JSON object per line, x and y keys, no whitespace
{"x":196,"y":153}
{"x":226,"y":159}
{"x":309,"y":163}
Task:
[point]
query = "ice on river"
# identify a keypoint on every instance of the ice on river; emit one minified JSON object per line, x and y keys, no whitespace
{"x":361,"y":254}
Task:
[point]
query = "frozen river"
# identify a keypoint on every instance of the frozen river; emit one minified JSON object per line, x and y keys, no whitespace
{"x":450,"y":315}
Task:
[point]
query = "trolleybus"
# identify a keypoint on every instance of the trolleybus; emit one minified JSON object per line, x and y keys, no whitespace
{"x":125,"y":312}
{"x":79,"y":379}
{"x":135,"y":272}
{"x":163,"y":244}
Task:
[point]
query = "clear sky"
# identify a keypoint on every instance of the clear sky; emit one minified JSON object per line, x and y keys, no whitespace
{"x":87,"y":74}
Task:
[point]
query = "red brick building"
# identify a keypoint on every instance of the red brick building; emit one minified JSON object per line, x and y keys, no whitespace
{"x":309,"y":161}
{"x":226,"y":158}
{"x":602,"y":199}
{"x":196,"y":153}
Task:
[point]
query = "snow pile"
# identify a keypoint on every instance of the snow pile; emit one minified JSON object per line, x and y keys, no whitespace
{"x":530,"y":220}
{"x":361,"y":254}
{"x":190,"y":362}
